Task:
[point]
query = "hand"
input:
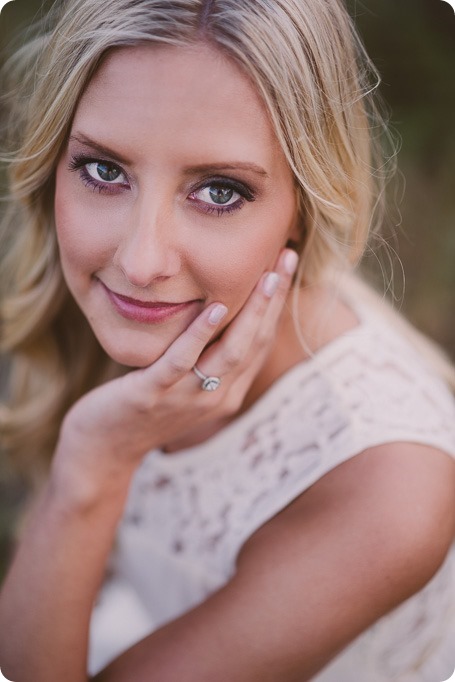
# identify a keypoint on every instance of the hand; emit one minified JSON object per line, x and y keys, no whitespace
{"x":108,"y":431}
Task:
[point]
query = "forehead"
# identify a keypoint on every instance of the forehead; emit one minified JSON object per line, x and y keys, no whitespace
{"x":192,"y":96}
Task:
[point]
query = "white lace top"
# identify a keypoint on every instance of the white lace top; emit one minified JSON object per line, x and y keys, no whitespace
{"x":189,"y":513}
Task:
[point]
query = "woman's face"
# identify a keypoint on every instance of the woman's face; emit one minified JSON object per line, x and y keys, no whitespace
{"x":171,"y":194}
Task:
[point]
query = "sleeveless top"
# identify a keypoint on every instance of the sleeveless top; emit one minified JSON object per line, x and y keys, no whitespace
{"x":189,"y":513}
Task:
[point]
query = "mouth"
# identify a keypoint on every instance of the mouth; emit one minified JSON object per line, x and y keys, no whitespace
{"x":148,"y":312}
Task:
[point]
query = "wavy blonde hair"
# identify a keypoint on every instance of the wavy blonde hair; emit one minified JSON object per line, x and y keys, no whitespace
{"x":317,"y":83}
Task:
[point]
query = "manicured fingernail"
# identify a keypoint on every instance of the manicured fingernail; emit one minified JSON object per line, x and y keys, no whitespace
{"x":290,"y":262}
{"x":270,"y":284}
{"x":217,"y":313}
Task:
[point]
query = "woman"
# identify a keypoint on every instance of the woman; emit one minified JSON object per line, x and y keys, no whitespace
{"x":252,"y":469}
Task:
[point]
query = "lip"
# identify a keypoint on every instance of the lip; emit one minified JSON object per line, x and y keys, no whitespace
{"x":148,"y":312}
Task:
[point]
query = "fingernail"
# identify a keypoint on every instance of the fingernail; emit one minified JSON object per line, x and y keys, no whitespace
{"x":217,"y":313}
{"x":270,"y":284}
{"x":290,"y":262}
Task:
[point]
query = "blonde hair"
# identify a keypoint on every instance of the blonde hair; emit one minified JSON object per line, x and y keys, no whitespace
{"x":317,"y":83}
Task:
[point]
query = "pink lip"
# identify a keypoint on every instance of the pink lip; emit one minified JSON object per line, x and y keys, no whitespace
{"x":148,"y":312}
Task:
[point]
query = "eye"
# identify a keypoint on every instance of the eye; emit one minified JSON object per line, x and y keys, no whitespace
{"x":99,"y":175}
{"x":221,"y":195}
{"x":217,"y":194}
{"x":107,"y":172}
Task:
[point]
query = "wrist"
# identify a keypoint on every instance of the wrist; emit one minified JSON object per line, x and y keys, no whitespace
{"x":78,"y":488}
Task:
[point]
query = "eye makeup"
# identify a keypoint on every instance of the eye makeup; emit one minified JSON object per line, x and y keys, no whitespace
{"x":222,"y":195}
{"x":223,"y":187}
{"x":79,"y":163}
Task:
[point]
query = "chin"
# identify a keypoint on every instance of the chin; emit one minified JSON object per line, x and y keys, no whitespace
{"x":133,"y":359}
{"x":131,"y":355}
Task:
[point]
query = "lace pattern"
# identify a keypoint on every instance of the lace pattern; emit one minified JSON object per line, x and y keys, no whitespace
{"x":360,"y":393}
{"x":189,"y":513}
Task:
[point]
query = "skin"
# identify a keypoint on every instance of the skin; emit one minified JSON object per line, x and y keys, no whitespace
{"x":152,"y":237}
{"x":306,"y":584}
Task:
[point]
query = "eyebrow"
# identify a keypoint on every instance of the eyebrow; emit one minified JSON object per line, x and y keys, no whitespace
{"x":101,"y":149}
{"x":191,"y":170}
{"x":232,"y":165}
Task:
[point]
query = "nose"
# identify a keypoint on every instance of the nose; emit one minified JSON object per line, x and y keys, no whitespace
{"x":149,"y":250}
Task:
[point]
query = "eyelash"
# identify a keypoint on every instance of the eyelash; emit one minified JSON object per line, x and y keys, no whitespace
{"x":79,"y":161}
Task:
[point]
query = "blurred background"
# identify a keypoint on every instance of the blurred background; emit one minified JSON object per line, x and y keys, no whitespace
{"x":412,"y":43}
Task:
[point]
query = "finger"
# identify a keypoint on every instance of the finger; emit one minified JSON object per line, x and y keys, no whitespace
{"x":184,"y":352}
{"x":286,"y":267}
{"x":257,"y":318}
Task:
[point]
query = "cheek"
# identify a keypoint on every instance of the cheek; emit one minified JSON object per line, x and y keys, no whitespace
{"x":232,"y":273}
{"x":234,"y":267}
{"x":273,"y":227}
{"x":84,"y":246}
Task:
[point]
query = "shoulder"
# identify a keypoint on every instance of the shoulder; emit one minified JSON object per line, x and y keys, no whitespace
{"x":386,"y":515}
{"x":363,"y":539}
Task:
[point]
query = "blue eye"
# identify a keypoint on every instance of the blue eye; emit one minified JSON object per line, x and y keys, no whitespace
{"x":221,"y":196}
{"x":217,"y":195}
{"x":107,"y":172}
{"x":99,"y":175}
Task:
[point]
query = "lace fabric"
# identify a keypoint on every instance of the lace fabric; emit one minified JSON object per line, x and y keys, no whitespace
{"x":189,"y":513}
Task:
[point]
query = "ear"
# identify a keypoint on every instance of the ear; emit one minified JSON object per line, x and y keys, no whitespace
{"x":296,"y":233}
